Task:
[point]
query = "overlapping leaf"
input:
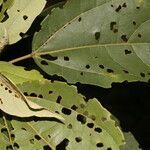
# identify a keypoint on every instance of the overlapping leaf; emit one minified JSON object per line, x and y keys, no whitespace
{"x":96,"y":42}
{"x":20,"y":17}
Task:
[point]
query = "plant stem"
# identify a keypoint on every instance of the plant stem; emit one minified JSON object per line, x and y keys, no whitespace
{"x":21,"y":58}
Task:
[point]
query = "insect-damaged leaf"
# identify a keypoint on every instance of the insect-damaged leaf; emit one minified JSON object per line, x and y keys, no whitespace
{"x":98,"y":43}
{"x":13,"y":102}
{"x":83,"y":128}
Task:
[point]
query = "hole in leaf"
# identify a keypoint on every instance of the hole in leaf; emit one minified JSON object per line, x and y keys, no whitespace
{"x":87,"y":66}
{"x":66,"y":58}
{"x":62,"y":145}
{"x":109,"y":148}
{"x":74,"y":107}
{"x":78,"y":139}
{"x":5,"y":16}
{"x":90,"y":125}
{"x":58,"y":99}
{"x":32,"y":141}
{"x":69,"y":126}
{"x":81,"y":73}
{"x":9,"y":147}
{"x":125,"y":71}
{"x":137,"y":7}
{"x":33,"y":95}
{"x":127,"y":51}
{"x":142,"y":74}
{"x":112,"y":24}
{"x":139,"y":35}
{"x":97,"y":35}
{"x":99,"y":130}
{"x":16,"y":146}
{"x":18,"y":10}
{"x":124,"y":38}
{"x":46,"y":147}
{"x":79,"y":19}
{"x":40,"y":96}
{"x":81,"y":118}
{"x":24,"y":129}
{"x":43,"y":62}
{"x":134,"y":23}
{"x":49,"y":57}
{"x":25,"y":17}
{"x":50,"y":92}
{"x":99,"y":145}
{"x":37,"y":137}
{"x":124,"y":5}
{"x":22,"y":34}
{"x":101,"y":66}
{"x":66,"y":111}
{"x":110,"y":71}
{"x":1,"y":7}
{"x":118,"y":8}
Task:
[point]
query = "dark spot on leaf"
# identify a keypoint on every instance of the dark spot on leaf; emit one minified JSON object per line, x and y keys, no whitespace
{"x":137,"y":7}
{"x":16,"y":146}
{"x":18,"y":10}
{"x":58,"y":99}
{"x":134,"y":23}
{"x":142,"y":74}
{"x":99,"y":130}
{"x":86,"y":113}
{"x":93,"y":117}
{"x":124,"y":38}
{"x":69,"y":126}
{"x":62,"y":145}
{"x":101,"y":66}
{"x":12,"y":136}
{"x":66,"y":58}
{"x":110,"y":71}
{"x":127,"y":51}
{"x":124,"y":5}
{"x":79,"y":19}
{"x":112,"y":5}
{"x":78,"y":139}
{"x":81,"y":73}
{"x":99,"y":144}
{"x":118,"y":8}
{"x":74,"y":107}
{"x":97,"y":35}
{"x":103,"y":119}
{"x":81,"y":118}
{"x":139,"y":35}
{"x":87,"y":66}
{"x":25,"y":17}
{"x":31,"y":141}
{"x":90,"y":125}
{"x":37,"y":137}
{"x":125,"y":71}
{"x":66,"y":111}
{"x":115,"y":30}
{"x":49,"y":57}
{"x":43,"y":62}
{"x":33,"y":95}
{"x":46,"y":147}
{"x":49,"y":136}
{"x":82,"y":105}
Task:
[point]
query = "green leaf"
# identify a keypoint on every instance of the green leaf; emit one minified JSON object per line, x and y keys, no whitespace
{"x":4,"y":7}
{"x":64,"y":99}
{"x":96,"y":42}
{"x":131,"y":142}
{"x":21,"y":16}
{"x":13,"y":102}
{"x":19,"y":74}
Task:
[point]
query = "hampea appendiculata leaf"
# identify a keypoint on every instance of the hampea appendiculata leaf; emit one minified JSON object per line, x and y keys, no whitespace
{"x":20,"y":17}
{"x":100,"y":42}
{"x":68,"y":102}
{"x":13,"y":102}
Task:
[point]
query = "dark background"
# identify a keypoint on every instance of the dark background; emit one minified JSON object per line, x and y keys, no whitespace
{"x":128,"y":102}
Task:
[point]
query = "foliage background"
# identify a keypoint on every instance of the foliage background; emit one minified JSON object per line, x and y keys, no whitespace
{"x":128,"y":102}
